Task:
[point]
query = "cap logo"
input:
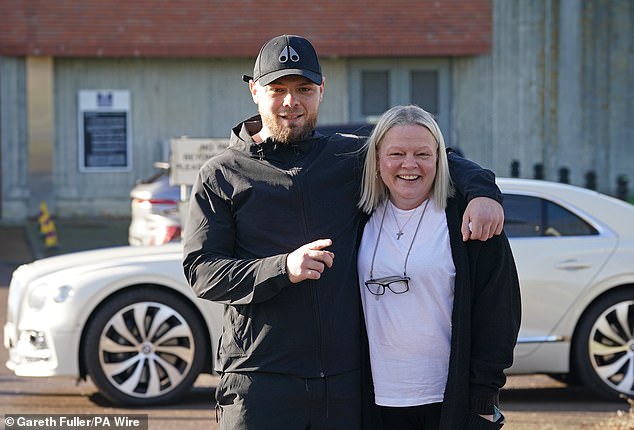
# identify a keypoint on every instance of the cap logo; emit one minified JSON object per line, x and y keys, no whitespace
{"x":288,"y":53}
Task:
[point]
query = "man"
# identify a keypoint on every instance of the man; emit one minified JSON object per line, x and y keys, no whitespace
{"x":272,"y":233}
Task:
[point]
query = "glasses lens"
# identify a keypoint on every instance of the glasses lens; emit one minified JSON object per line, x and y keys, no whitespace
{"x":375,"y":288}
{"x":399,"y":286}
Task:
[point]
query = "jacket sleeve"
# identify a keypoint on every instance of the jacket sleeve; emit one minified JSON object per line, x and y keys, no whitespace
{"x":495,"y":319}
{"x":209,"y":261}
{"x":471,"y":180}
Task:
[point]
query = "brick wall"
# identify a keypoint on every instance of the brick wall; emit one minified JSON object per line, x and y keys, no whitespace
{"x":237,"y":28}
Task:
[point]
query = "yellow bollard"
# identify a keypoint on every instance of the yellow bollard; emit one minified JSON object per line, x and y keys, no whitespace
{"x":43,"y":218}
{"x":50,"y":238}
{"x":47,"y":227}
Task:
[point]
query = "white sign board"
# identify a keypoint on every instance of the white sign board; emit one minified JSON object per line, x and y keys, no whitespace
{"x":104,"y":131}
{"x":187,"y":155}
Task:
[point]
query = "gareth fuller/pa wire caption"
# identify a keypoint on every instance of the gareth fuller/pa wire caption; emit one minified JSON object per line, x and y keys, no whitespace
{"x":83,"y":421}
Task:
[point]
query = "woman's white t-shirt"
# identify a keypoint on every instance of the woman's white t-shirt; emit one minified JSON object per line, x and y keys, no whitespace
{"x":409,"y":334}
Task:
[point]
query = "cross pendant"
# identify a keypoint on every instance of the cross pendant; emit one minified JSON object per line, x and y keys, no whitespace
{"x":399,"y":234}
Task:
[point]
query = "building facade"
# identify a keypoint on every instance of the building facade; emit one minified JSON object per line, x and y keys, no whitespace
{"x":91,"y":94}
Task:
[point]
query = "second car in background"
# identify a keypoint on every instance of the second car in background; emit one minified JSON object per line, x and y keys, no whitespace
{"x":155,"y":215}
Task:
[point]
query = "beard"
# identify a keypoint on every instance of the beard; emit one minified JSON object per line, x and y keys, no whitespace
{"x":287,"y":134}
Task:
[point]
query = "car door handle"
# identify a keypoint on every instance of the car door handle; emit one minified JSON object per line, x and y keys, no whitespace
{"x":573,"y":265}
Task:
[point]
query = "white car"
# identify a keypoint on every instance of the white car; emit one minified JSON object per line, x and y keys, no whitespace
{"x":127,"y":318}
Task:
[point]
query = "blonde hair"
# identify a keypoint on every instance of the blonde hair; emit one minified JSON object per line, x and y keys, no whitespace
{"x":373,"y":190}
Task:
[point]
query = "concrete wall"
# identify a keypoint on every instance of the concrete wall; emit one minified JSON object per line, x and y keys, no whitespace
{"x":13,"y":139}
{"x":169,"y":98}
{"x":557,"y":90}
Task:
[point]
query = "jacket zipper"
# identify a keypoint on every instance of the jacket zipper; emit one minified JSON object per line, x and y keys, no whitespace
{"x":312,"y":285}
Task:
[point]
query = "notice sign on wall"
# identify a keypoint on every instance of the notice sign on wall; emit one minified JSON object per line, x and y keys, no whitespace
{"x":187,"y":155}
{"x":104,"y":131}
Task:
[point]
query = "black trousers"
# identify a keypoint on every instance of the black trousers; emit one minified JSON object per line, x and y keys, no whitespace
{"x":268,"y":401}
{"x":424,"y":417}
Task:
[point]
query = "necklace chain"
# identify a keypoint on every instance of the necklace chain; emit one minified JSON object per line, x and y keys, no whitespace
{"x":400,"y":229}
{"x":378,"y":238}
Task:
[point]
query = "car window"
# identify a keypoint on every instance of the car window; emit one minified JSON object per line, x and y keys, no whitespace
{"x":528,"y":216}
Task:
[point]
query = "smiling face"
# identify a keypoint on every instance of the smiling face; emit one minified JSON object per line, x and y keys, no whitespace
{"x":407,"y":164}
{"x":289,"y":107}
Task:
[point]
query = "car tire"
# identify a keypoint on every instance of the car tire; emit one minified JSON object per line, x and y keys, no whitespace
{"x":604,"y":346}
{"x":145,"y":346}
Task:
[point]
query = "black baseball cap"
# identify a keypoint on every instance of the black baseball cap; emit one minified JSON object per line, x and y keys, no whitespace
{"x":286,"y":55}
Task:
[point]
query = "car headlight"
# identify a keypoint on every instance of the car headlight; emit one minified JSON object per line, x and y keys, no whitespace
{"x":63,"y":293}
{"x":43,"y":292}
{"x":37,"y":296}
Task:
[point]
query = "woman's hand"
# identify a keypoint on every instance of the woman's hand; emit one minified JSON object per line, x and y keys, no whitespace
{"x":483,"y":218}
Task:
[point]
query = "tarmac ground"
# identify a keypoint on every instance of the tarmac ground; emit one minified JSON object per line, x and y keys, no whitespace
{"x":23,"y":243}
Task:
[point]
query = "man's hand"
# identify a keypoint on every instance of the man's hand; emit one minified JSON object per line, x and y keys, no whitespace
{"x":483,"y":218}
{"x":309,"y":261}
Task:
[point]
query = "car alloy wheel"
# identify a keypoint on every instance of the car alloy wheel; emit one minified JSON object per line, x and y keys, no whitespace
{"x":144,"y":348}
{"x":605,"y":345}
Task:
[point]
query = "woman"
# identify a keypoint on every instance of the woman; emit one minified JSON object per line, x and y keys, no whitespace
{"x":442,"y":315}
